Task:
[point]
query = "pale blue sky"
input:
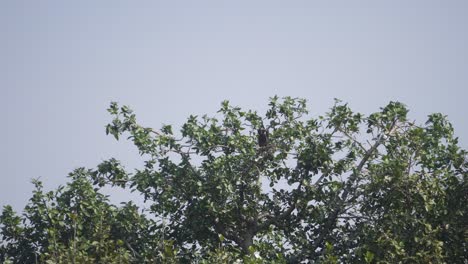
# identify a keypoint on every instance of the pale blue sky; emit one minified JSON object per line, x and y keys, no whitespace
{"x":62,"y":62}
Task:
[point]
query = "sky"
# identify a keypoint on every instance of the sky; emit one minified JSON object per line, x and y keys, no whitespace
{"x":63,"y":62}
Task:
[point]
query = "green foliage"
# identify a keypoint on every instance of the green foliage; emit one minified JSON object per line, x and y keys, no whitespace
{"x":240,"y":187}
{"x":74,"y":224}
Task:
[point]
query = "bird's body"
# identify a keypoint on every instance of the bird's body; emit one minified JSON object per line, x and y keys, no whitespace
{"x":262,"y":137}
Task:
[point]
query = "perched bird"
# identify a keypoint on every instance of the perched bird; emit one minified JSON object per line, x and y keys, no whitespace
{"x":262,"y":137}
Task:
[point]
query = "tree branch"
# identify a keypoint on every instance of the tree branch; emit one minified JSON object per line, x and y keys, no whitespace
{"x":285,"y":214}
{"x":331,"y":221}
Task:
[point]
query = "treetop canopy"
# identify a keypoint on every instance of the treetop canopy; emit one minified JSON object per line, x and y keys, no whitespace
{"x":281,"y":187}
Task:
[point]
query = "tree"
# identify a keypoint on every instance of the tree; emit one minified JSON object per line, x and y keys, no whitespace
{"x":75,"y":224}
{"x":284,"y":187}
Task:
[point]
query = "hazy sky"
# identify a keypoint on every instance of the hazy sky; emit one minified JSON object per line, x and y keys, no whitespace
{"x":62,"y":62}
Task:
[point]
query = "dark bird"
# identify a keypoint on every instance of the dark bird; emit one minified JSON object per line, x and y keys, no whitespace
{"x":262,"y":137}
